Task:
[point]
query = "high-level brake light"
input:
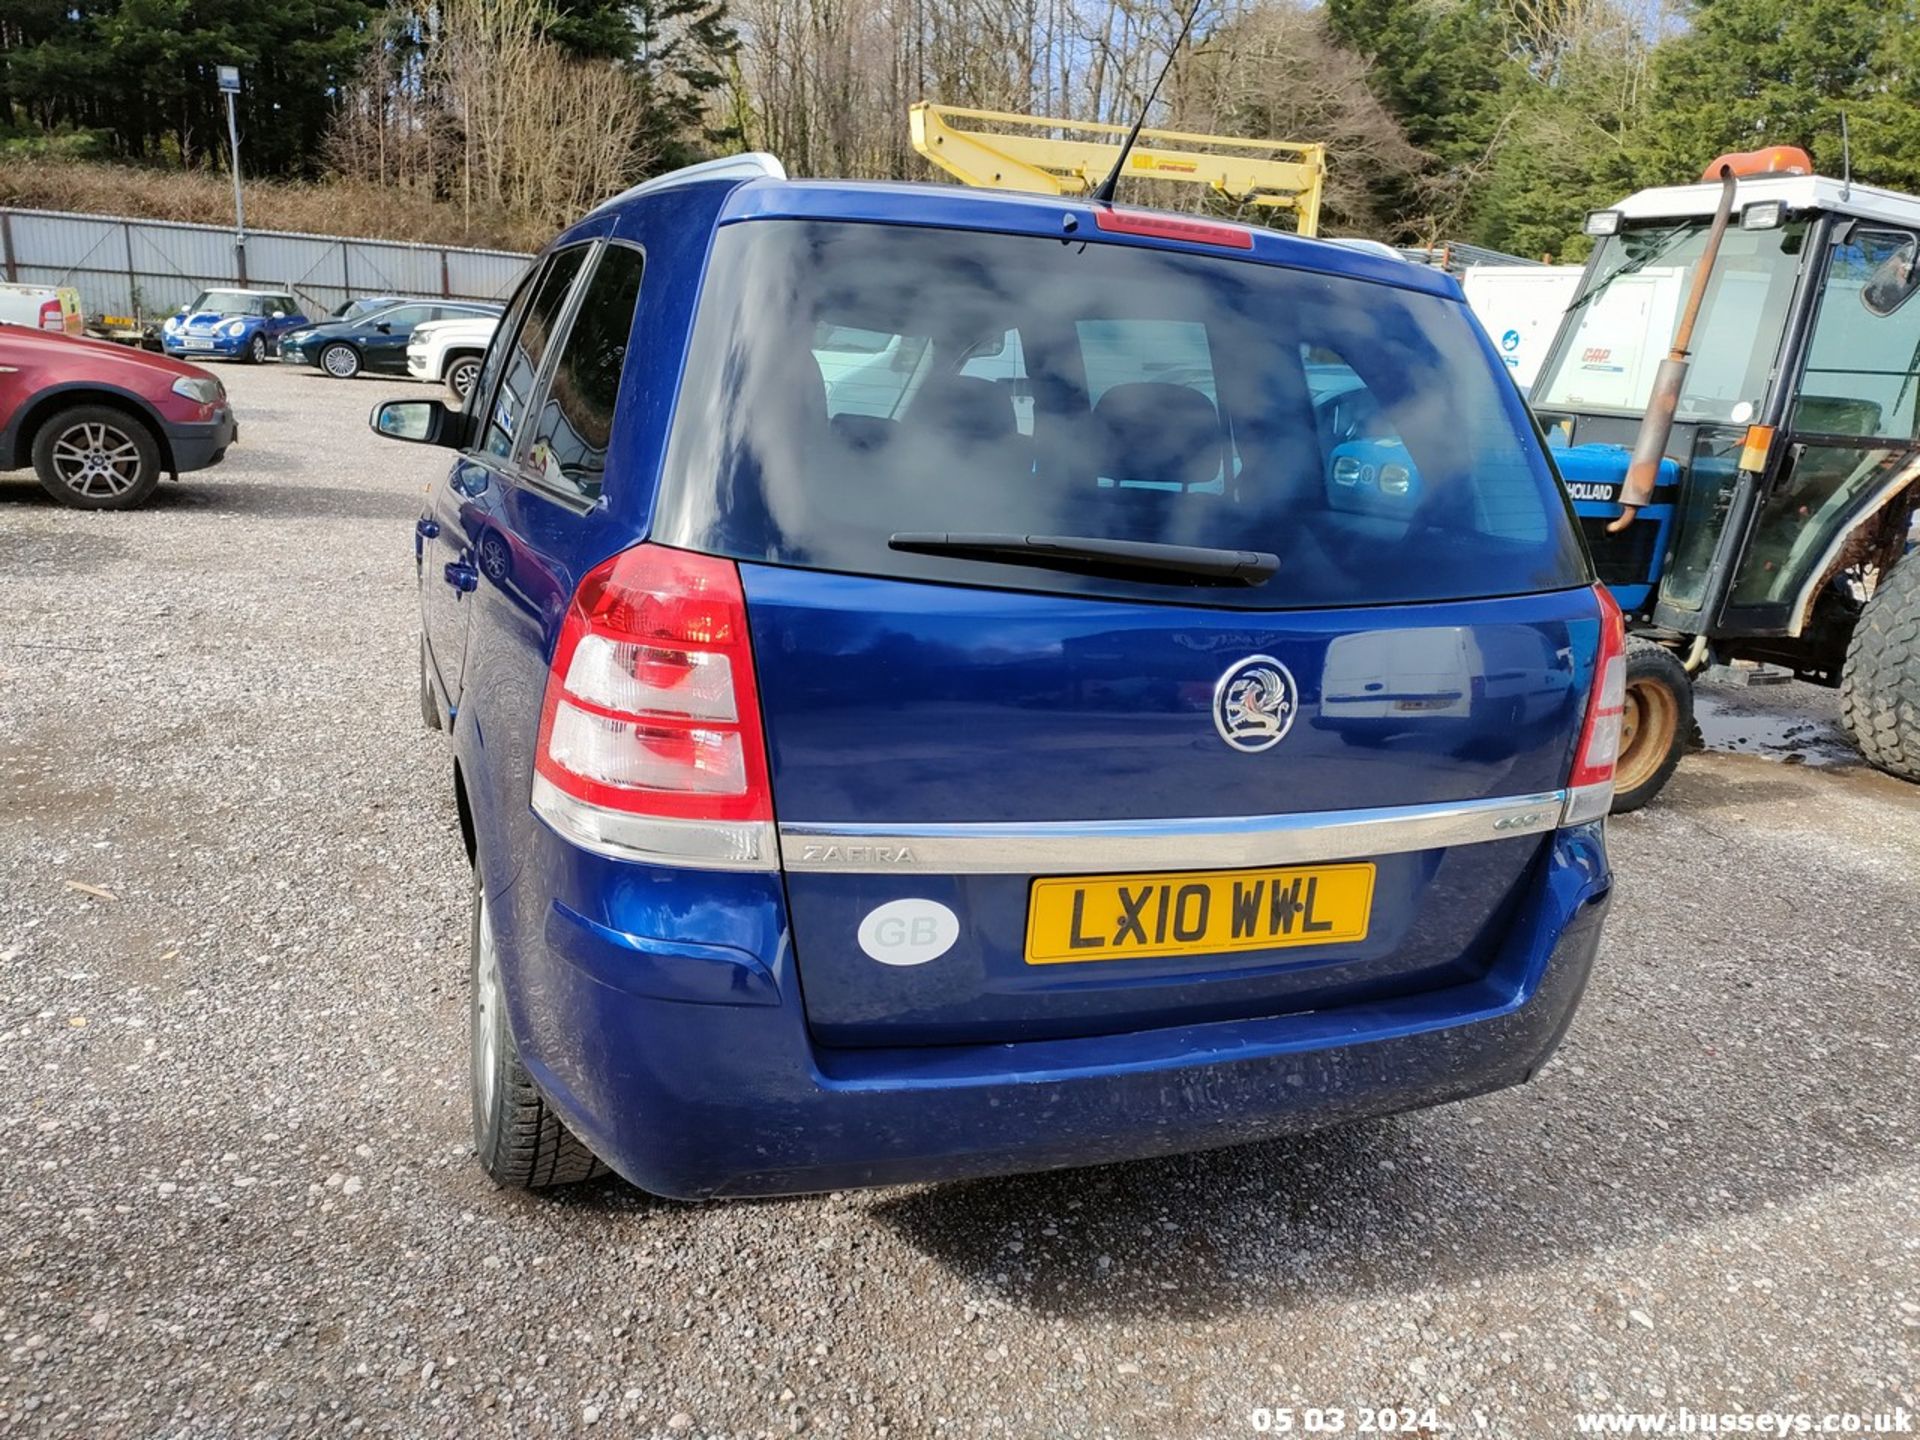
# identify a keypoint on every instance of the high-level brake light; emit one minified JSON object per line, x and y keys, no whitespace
{"x":1172,"y":227}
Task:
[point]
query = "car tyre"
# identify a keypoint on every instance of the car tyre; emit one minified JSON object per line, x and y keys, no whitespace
{"x":521,"y":1143}
{"x":1880,"y":684}
{"x":1657,"y":724}
{"x":340,"y":360}
{"x":460,"y":377}
{"x":257,"y":350}
{"x":94,"y":457}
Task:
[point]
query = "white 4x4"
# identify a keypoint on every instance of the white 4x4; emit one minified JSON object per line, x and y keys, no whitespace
{"x":450,"y":350}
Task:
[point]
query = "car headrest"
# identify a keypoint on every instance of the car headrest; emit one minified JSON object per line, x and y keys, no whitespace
{"x":965,"y":406}
{"x":1158,"y":433}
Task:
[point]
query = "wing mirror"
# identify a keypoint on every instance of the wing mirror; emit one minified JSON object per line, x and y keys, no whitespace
{"x":384,"y":328}
{"x":1892,"y":282}
{"x":422,"y":422}
{"x":181,"y":311}
{"x":279,"y":314}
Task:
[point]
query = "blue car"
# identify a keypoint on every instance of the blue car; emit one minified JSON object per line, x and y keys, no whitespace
{"x":899,"y":772}
{"x":231,"y":325}
{"x":374,"y":341}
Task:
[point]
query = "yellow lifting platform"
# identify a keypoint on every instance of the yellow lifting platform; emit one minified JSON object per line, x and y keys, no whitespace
{"x":1029,"y":153}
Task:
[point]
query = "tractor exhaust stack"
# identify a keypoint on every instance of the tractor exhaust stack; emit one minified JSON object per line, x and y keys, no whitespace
{"x":1650,"y":445}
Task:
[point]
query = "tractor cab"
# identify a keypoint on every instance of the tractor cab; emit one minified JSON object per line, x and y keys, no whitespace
{"x":1733,"y":399}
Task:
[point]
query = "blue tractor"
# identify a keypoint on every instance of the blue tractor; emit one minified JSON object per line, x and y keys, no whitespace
{"x":1733,"y":399}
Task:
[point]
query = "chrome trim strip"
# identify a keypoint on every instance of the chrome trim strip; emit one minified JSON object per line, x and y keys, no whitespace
{"x":1113,"y":846}
{"x":653,"y":840}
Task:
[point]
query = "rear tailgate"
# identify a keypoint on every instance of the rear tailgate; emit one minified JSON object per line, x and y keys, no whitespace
{"x":1239,"y":592}
{"x":959,"y":746}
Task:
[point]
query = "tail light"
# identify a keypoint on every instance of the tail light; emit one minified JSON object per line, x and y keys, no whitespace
{"x":1173,"y":227}
{"x":1590,"y":787}
{"x":650,"y":744}
{"x":50,"y":316}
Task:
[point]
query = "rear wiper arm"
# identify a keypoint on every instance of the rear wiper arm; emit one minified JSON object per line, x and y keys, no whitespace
{"x":1150,"y":559}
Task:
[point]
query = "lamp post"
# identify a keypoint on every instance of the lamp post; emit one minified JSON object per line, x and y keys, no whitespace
{"x":229,"y":78}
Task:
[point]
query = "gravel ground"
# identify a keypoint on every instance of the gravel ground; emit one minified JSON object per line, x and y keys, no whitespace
{"x":236,"y":1196}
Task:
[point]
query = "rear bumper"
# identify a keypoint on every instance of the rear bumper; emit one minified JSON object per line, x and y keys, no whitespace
{"x":195,"y":447}
{"x":689,"y":1069}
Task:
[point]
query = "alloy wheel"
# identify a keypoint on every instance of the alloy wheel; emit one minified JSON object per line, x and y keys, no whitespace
{"x":340,"y":362}
{"x":487,"y":1019}
{"x":96,"y":460}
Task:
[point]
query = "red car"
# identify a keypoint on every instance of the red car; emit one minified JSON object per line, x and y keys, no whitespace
{"x":100,"y":423}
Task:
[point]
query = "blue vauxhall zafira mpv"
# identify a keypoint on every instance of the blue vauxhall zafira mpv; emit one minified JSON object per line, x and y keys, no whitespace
{"x":944,"y":682}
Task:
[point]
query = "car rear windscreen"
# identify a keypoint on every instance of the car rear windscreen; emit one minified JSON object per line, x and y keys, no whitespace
{"x":852,"y":383}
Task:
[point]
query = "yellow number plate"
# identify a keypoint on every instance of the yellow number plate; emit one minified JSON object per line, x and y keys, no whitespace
{"x":1135,"y":917}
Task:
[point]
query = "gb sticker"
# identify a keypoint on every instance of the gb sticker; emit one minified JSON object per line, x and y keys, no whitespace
{"x":909,"y":932}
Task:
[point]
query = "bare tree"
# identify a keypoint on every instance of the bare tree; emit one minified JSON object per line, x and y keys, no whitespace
{"x":473,"y":101}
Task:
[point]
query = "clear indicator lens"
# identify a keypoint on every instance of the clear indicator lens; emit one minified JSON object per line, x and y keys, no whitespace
{"x":1603,"y":747}
{"x":1613,"y":685}
{"x":637,"y":756}
{"x":637,"y":679}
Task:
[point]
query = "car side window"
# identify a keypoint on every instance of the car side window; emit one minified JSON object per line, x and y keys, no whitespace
{"x":521,"y":357}
{"x":569,"y":449}
{"x":405,"y":318}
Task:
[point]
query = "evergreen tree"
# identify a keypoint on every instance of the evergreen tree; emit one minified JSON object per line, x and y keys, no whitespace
{"x":1748,"y":73}
{"x":142,"y":71}
{"x":684,"y":51}
{"x":1439,"y":65}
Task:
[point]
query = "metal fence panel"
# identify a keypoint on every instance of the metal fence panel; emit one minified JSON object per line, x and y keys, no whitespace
{"x":86,"y":251}
{"x":124,"y":266}
{"x":488,"y":273}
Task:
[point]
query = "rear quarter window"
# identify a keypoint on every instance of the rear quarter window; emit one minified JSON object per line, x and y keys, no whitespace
{"x":848,"y":382}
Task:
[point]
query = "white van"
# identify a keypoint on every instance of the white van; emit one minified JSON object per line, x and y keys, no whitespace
{"x":1519,"y":306}
{"x":43,"y":307}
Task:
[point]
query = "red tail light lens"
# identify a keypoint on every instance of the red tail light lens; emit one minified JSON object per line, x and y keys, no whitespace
{"x":50,"y":316}
{"x":1590,"y":787}
{"x":1172,"y":227}
{"x":650,"y":739}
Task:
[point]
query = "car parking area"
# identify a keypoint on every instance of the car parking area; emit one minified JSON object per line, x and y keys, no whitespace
{"x":236,"y":1188}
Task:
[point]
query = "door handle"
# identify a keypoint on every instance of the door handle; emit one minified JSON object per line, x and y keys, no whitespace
{"x":426,"y":529}
{"x":462,"y":576}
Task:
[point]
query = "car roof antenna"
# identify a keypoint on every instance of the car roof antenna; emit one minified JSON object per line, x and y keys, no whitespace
{"x":1104,"y":191}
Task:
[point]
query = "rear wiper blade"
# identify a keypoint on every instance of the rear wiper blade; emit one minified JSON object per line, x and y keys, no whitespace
{"x":1086,"y":552}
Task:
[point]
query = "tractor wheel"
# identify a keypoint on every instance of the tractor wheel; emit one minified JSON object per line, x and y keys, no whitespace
{"x":1880,"y":686}
{"x":1656,"y":725}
